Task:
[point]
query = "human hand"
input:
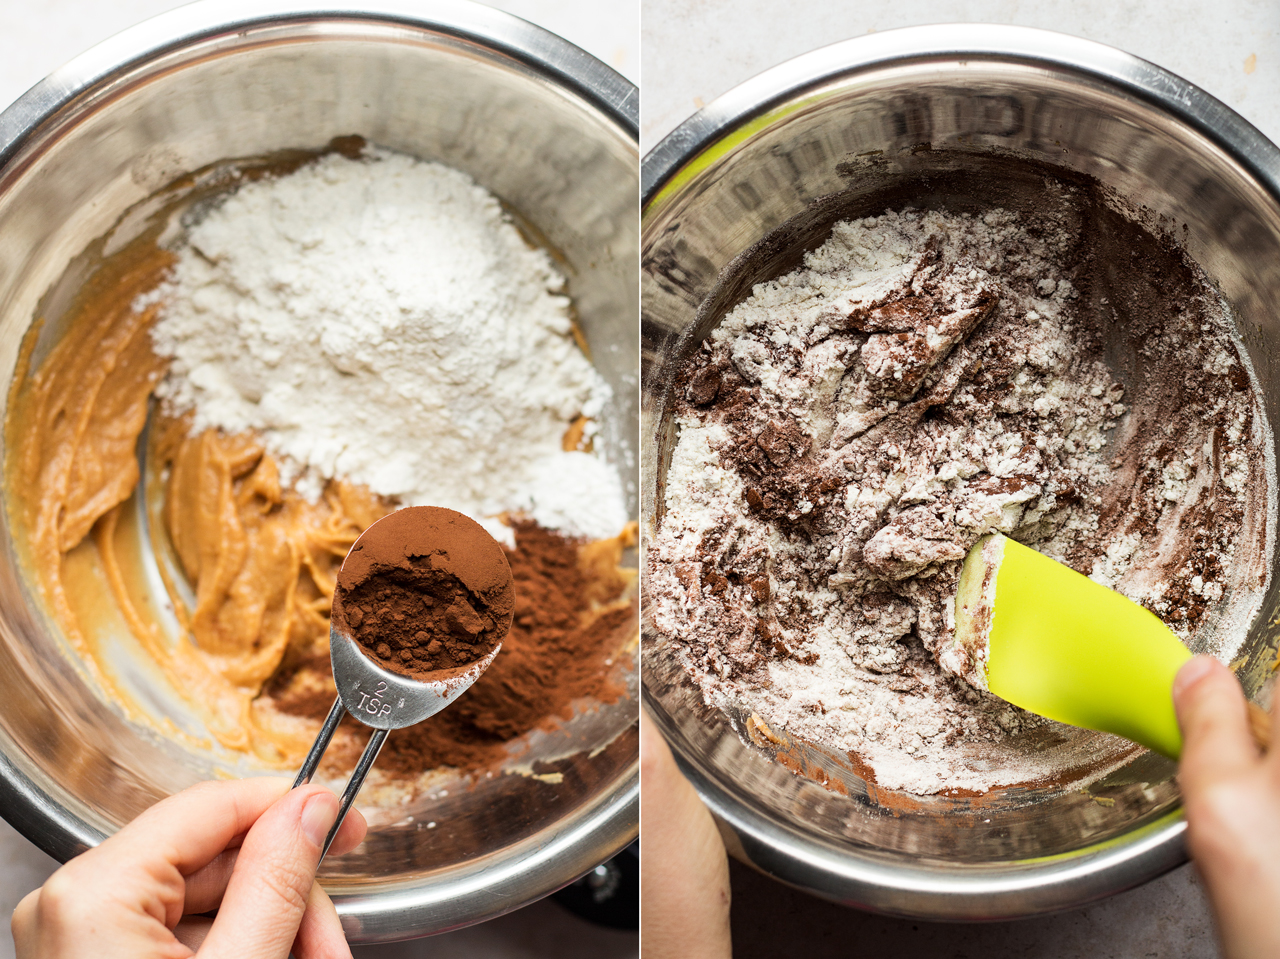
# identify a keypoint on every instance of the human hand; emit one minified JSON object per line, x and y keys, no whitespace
{"x":247,"y":847}
{"x":1231,"y":793}
{"x":684,"y":881}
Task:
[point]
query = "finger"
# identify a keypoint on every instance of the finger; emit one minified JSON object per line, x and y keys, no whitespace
{"x":684,"y":887}
{"x":206,"y":886}
{"x":190,"y":828}
{"x":179,"y":834}
{"x":350,"y":834}
{"x":320,"y":935}
{"x":662,"y":785}
{"x":59,"y":920}
{"x":271,"y":883}
{"x":22,"y":925}
{"x":1215,"y":727}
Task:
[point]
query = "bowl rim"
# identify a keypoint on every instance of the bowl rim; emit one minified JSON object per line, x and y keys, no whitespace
{"x":597,"y":829}
{"x":739,"y":113}
{"x":567,"y":65}
{"x":970,"y":893}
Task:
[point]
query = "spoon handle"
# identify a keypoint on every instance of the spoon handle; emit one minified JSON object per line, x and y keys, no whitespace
{"x":355,"y":782}
{"x":357,"y":777}
{"x":1260,"y":726}
{"x":320,"y":745}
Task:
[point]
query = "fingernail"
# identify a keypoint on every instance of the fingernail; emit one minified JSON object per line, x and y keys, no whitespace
{"x":318,"y":816}
{"x":1194,"y":670}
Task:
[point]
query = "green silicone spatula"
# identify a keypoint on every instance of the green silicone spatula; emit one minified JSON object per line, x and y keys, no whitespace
{"x":1045,"y":638}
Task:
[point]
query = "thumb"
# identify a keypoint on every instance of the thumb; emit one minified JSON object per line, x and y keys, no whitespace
{"x":269,"y":887}
{"x":1215,"y":727}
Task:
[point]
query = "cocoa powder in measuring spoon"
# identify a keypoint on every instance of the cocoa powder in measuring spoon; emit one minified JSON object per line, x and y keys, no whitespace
{"x":425,"y":589}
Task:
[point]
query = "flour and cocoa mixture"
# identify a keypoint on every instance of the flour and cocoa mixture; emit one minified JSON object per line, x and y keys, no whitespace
{"x":853,"y":427}
{"x":423,"y":590}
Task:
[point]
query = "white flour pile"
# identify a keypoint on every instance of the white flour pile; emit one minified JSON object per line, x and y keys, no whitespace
{"x":381,"y":320}
{"x":851,"y":429}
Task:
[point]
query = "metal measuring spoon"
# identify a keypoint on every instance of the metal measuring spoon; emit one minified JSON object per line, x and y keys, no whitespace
{"x":383,"y":700}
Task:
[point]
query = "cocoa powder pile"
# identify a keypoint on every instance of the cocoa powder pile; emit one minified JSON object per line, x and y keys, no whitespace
{"x":425,"y":589}
{"x":568,"y":625}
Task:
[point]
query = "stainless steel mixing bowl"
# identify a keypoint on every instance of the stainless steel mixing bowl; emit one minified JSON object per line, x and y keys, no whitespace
{"x":544,"y":126}
{"x":734,"y":196}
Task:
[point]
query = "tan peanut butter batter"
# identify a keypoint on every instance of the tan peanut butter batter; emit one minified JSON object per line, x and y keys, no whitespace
{"x":260,"y":558}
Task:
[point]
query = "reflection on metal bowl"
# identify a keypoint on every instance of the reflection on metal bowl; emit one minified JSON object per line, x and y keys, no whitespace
{"x":735,"y":196}
{"x":543,"y":126}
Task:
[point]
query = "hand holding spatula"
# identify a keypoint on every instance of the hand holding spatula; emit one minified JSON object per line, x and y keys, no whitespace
{"x":1049,"y":640}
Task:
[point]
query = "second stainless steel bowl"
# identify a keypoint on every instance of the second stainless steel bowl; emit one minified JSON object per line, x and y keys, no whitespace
{"x":734,"y":196}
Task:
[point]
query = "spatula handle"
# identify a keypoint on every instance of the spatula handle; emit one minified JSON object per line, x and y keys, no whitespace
{"x":1260,"y":726}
